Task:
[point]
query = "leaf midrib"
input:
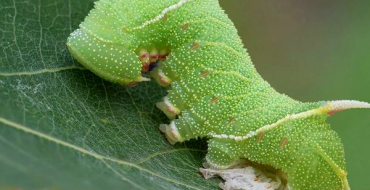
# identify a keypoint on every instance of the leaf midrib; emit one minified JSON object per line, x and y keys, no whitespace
{"x":97,"y":156}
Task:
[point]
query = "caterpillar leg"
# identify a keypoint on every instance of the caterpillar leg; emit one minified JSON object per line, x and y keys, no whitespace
{"x":168,"y":108}
{"x":172,"y":133}
{"x":184,"y":128}
{"x":221,"y":155}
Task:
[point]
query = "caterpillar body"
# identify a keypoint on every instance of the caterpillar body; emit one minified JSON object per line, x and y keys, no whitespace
{"x":192,"y":48}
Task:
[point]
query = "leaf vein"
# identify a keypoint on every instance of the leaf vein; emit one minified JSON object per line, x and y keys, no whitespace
{"x":42,"y":71}
{"x":86,"y":152}
{"x":166,"y":152}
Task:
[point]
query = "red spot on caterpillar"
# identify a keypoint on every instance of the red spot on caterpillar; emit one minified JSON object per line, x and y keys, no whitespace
{"x":170,"y":109}
{"x":162,"y":57}
{"x":153,"y":55}
{"x":332,"y":112}
{"x":284,"y":141}
{"x":154,"y":58}
{"x":132,"y":84}
{"x":144,"y":58}
{"x":204,"y":74}
{"x":185,"y":26}
{"x":163,"y":54}
{"x":145,"y":66}
{"x":194,"y":46}
{"x":231,"y":120}
{"x":174,"y":132}
{"x":165,"y":17}
{"x":260,"y":136}
{"x":214,"y":100}
{"x":144,"y":55}
{"x":163,"y":80}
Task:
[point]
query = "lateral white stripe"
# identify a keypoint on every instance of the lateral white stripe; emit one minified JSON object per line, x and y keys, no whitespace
{"x":161,"y":15}
{"x":331,"y":106}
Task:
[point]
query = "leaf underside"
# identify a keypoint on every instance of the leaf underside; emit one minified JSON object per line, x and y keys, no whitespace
{"x":62,"y":127}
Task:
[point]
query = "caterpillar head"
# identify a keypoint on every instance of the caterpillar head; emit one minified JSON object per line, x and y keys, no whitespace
{"x":113,"y":62}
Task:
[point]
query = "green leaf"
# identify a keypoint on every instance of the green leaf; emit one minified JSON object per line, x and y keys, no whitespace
{"x":62,"y":127}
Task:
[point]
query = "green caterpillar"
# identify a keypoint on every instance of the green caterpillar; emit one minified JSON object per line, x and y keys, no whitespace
{"x":191,"y":47}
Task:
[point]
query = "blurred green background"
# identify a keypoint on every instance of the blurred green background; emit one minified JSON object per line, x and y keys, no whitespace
{"x":315,"y":50}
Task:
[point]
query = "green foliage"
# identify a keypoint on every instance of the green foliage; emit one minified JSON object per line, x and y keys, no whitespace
{"x":62,"y":127}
